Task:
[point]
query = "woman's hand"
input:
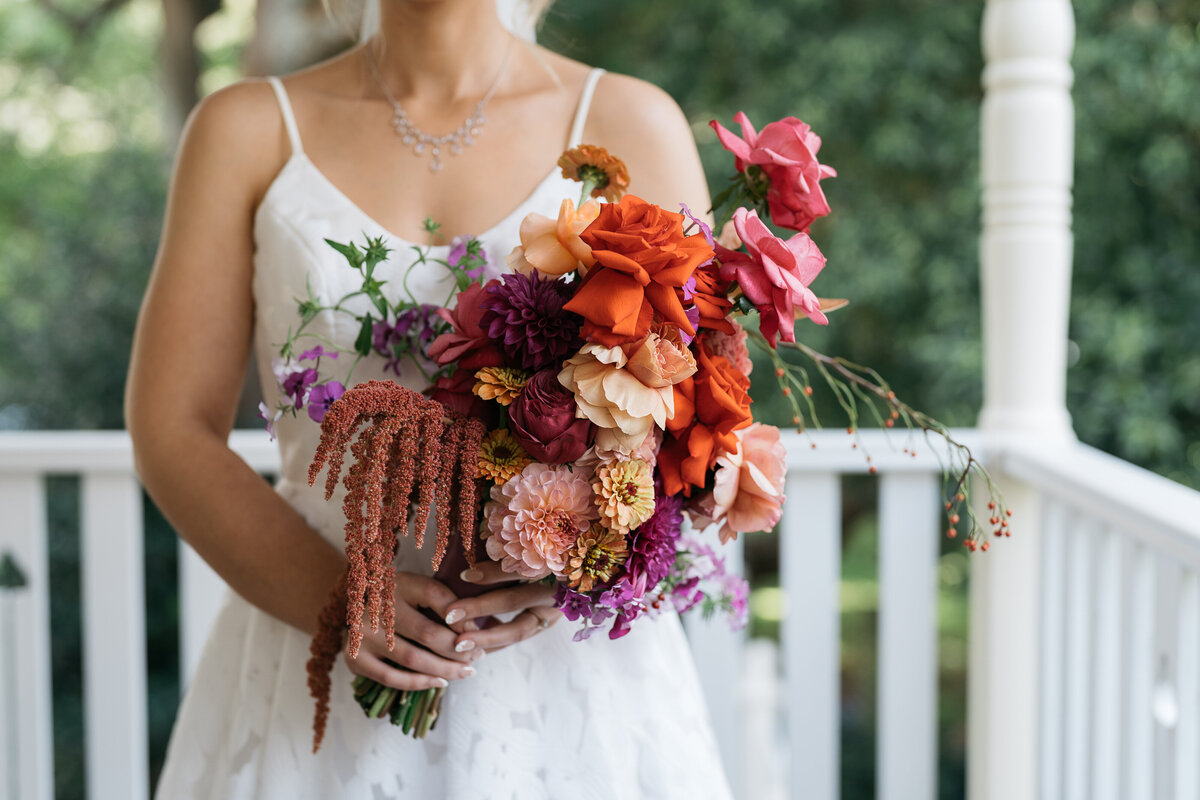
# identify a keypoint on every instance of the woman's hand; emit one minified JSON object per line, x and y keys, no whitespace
{"x":424,"y":647}
{"x":535,"y":601}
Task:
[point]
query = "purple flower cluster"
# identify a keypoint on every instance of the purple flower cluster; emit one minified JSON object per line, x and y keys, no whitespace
{"x":524,"y":316}
{"x":299,"y":383}
{"x":701,"y":577}
{"x":412,"y":332}
{"x":467,"y":254}
{"x":633,"y":594}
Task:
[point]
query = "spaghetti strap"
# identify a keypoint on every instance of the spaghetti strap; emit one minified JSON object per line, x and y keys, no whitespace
{"x":289,"y":119}
{"x":585,"y":102}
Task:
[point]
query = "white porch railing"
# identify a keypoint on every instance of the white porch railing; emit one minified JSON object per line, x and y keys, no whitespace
{"x":1119,"y":642}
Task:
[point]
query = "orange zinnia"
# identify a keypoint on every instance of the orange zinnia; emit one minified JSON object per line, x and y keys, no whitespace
{"x":642,"y":258}
{"x":592,"y":164}
{"x":709,"y":408}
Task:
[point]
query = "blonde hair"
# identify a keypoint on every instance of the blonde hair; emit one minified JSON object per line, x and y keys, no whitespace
{"x":347,"y":14}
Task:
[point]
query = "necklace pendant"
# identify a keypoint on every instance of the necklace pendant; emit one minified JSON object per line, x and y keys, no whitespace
{"x":435,"y":165}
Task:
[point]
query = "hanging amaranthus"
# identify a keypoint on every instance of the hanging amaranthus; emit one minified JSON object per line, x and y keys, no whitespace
{"x":393,"y":426}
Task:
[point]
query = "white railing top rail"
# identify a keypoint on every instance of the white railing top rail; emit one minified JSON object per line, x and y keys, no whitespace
{"x":70,"y":452}
{"x":1113,"y":492}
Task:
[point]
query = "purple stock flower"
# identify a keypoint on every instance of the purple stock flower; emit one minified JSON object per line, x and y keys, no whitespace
{"x":704,"y":228}
{"x":322,"y":397}
{"x":524,"y":316}
{"x":467,"y":254}
{"x":294,"y":379}
{"x":265,"y":415}
{"x":317,"y":352}
{"x":413,"y":331}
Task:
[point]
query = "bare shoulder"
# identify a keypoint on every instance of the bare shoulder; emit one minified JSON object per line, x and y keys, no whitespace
{"x":238,"y":130}
{"x":646,"y":128}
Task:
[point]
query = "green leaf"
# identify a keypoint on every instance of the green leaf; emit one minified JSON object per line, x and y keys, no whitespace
{"x":362,"y":345}
{"x":350,"y":252}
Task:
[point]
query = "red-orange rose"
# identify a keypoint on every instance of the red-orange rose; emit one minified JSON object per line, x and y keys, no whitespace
{"x":711,"y":297}
{"x":709,"y":407}
{"x":642,"y":257}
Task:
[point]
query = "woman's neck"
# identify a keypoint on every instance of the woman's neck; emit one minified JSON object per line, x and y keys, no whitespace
{"x":439,"y":50}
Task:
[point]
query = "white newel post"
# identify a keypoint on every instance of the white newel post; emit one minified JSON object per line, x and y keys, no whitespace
{"x":1027,"y":164}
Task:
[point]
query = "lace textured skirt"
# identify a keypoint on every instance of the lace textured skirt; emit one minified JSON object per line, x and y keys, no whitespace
{"x":546,"y":718}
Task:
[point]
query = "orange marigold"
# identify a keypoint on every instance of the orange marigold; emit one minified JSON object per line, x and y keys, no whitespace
{"x":595,"y":558}
{"x":594,"y":166}
{"x":501,"y":384}
{"x":501,"y":457}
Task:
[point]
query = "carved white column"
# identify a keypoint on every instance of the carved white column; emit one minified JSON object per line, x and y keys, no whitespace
{"x":1026,"y":247}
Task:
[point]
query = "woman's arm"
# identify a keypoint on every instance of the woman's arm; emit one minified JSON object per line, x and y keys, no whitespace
{"x":190,"y":353}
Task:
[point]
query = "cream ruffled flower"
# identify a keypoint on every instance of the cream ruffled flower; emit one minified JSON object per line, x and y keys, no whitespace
{"x":628,"y":395}
{"x":535,"y":518}
{"x":624,"y":494}
{"x":553,"y":247}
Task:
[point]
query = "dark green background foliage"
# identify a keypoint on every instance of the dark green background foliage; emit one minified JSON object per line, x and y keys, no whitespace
{"x":892,"y":86}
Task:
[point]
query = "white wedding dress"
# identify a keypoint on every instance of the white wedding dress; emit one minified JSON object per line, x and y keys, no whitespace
{"x":548,"y":718}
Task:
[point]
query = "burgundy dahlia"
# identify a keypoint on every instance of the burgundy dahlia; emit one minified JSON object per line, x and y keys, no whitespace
{"x":524,"y":316}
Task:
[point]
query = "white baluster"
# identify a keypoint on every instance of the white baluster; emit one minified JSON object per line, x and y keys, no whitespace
{"x":811,"y":559}
{"x":1106,"y":681}
{"x":26,"y":742}
{"x":718,"y":652}
{"x":114,"y":637}
{"x":1079,"y":662}
{"x":908,"y":552}
{"x":1054,"y":586}
{"x":200,"y":593}
{"x":1143,"y":666}
{"x":1187,"y":735}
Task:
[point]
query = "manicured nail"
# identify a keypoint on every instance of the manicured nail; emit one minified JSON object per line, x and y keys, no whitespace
{"x":464,"y":646}
{"x":442,"y":682}
{"x":468,"y":671}
{"x":454,"y":616}
{"x":470,"y":575}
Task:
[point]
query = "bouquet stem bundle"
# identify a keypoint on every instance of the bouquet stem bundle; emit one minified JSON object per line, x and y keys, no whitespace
{"x":414,"y":712}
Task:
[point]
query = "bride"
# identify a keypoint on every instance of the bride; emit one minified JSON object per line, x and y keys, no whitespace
{"x":265,"y":172}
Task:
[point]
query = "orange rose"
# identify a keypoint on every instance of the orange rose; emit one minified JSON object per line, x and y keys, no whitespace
{"x":711,"y":297}
{"x":552,"y":247}
{"x":709,"y":408}
{"x":642,"y":257}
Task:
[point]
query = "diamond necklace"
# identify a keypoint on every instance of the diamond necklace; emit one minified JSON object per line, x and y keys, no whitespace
{"x":423,"y":143}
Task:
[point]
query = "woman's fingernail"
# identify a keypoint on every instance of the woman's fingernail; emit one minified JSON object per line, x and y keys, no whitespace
{"x":468,"y":671}
{"x":442,"y":682}
{"x":464,"y":646}
{"x":454,"y":616}
{"x":470,"y":575}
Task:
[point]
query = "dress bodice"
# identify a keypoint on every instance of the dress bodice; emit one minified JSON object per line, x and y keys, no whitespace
{"x":301,"y":209}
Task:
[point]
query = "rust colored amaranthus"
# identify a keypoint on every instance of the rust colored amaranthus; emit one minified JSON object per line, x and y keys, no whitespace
{"x":322,"y":651}
{"x":407,"y":450}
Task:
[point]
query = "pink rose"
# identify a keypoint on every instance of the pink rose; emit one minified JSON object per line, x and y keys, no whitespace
{"x":774,"y":274}
{"x":468,"y":344}
{"x":787,"y":152}
{"x":748,"y":486}
{"x":542,"y":419}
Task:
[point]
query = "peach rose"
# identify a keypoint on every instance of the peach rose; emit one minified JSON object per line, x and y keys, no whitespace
{"x":553,"y":247}
{"x":615,"y":398}
{"x":662,"y":359}
{"x":748,"y":487}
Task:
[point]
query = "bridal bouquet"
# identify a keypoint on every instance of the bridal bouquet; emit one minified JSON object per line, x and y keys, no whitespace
{"x":584,"y":402}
